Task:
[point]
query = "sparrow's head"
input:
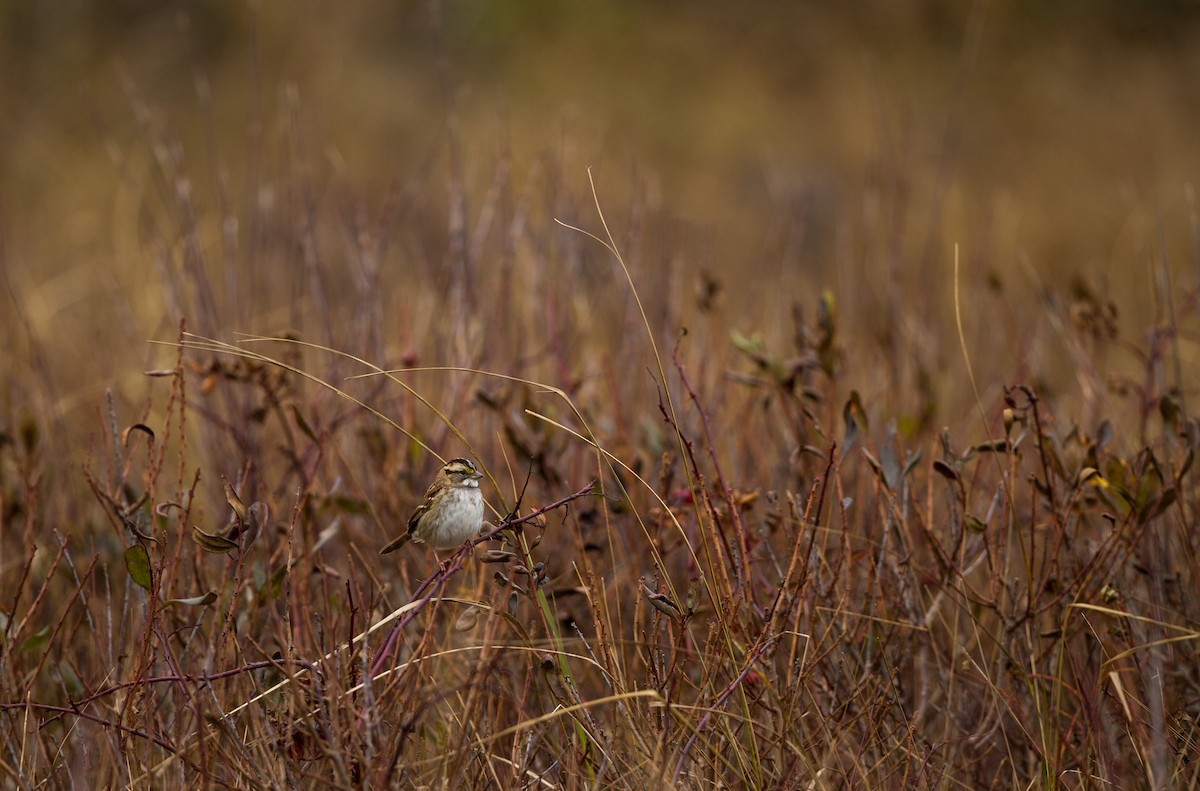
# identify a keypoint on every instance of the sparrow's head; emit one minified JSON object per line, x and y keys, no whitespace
{"x":461,"y":472}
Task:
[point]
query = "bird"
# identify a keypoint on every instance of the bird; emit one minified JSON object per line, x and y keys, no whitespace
{"x":451,"y":512}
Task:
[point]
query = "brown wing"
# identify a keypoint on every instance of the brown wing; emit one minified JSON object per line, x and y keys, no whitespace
{"x":426,"y":504}
{"x":421,"y":510}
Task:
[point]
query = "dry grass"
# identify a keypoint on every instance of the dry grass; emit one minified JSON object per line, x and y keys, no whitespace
{"x":747,"y":535}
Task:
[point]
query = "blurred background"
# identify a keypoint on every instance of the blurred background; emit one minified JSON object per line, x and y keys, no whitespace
{"x":788,"y":185}
{"x":266,"y":168}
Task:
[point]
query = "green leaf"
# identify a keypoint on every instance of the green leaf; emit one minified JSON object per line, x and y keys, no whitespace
{"x":137,"y":562}
{"x":274,"y":584}
{"x":347,"y":505}
{"x":826,"y":332}
{"x":36,"y":641}
{"x":747,"y":346}
{"x":1172,"y":413}
{"x":1148,"y":489}
{"x":1049,"y":447}
{"x":1116,"y":472}
{"x":71,"y":680}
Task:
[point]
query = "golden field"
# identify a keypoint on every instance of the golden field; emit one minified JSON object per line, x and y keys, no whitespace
{"x":830,"y":367}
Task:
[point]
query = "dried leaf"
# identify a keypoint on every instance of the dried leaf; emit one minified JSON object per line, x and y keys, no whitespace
{"x":466,"y":622}
{"x":876,"y":466}
{"x":744,"y":501}
{"x":891,"y":466}
{"x":1187,"y":465}
{"x":137,"y":530}
{"x":661,"y":602}
{"x":194,"y":601}
{"x":856,"y":419}
{"x":945,"y":470}
{"x":303,"y":424}
{"x":247,"y":532}
{"x":497,"y":556}
{"x":327,"y":535}
{"x":142,"y":427}
{"x":234,"y":501}
{"x":212,"y":543}
{"x":29,"y":431}
{"x":1169,"y":495}
{"x":162,"y":508}
{"x":910,"y":464}
{"x":664,"y":605}
{"x":992,"y":446}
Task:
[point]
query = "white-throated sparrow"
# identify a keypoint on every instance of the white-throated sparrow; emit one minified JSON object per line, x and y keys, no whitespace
{"x":451,"y":513}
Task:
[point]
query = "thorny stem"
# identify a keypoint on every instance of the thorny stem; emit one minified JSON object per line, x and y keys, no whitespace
{"x":734,"y":512}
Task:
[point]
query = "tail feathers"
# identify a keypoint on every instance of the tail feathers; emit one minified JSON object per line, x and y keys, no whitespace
{"x":396,"y":543}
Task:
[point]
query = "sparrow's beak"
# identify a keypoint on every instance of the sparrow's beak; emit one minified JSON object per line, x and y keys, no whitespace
{"x":477,"y":475}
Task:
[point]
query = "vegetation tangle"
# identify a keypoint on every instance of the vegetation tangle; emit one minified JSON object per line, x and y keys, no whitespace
{"x":822,"y":542}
